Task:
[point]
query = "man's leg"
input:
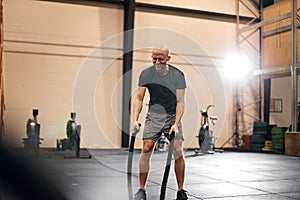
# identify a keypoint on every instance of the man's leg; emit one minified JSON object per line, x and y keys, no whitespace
{"x":179,"y":163}
{"x":144,"y":164}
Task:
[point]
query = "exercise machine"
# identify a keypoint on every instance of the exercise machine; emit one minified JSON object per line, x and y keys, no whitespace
{"x":33,"y":139}
{"x":73,"y":134}
{"x":206,"y":139}
{"x":72,"y":142}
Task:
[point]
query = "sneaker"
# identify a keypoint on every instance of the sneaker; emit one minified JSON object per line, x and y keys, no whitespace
{"x":140,"y":195}
{"x":181,"y":195}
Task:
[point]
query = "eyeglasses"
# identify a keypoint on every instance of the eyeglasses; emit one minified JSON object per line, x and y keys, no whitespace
{"x":160,"y":59}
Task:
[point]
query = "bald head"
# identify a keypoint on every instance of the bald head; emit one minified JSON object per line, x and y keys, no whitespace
{"x":161,"y":49}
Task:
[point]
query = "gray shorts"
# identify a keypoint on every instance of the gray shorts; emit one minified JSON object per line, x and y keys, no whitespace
{"x":157,"y":123}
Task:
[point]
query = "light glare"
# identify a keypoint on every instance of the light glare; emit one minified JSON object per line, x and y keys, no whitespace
{"x":236,"y":67}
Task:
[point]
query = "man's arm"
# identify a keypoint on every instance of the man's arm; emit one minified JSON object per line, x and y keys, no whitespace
{"x":137,"y":106}
{"x":179,"y":109}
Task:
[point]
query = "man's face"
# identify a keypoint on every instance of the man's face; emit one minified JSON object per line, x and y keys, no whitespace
{"x":160,"y":59}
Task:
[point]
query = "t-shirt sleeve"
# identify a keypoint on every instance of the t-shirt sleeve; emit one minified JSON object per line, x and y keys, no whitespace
{"x":181,"y":83}
{"x":143,"y":79}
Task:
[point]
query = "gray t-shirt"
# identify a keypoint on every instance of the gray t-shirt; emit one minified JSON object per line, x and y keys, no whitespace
{"x":162,"y":89}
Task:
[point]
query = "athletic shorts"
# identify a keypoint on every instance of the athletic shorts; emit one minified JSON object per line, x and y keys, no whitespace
{"x":156,"y":124}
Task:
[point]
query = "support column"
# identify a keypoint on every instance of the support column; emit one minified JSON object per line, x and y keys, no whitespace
{"x":237,"y":86}
{"x":261,"y":58}
{"x":294,"y":66}
{"x":129,"y":9}
{"x":267,"y":98}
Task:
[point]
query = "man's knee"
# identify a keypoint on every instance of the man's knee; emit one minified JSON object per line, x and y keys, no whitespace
{"x":177,"y":153}
{"x":177,"y":149}
{"x":147,"y":149}
{"x":148,"y":146}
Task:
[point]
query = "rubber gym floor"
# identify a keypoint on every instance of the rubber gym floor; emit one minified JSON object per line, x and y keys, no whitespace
{"x":230,"y":175}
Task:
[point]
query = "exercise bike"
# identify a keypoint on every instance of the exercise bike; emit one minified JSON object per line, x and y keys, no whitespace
{"x":206,"y":140}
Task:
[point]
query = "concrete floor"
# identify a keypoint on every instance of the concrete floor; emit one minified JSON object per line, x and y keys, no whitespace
{"x":221,"y":176}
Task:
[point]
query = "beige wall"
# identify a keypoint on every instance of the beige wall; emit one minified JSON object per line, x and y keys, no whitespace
{"x":280,"y":45}
{"x":47,"y":45}
{"x":210,"y":37}
{"x":281,"y":89}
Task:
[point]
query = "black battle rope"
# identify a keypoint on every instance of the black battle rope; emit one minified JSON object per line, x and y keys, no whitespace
{"x":129,"y":162}
{"x":167,"y":168}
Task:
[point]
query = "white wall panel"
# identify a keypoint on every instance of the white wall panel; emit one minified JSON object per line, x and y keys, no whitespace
{"x":46,"y":43}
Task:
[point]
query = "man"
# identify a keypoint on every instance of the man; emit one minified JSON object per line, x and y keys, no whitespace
{"x":166,"y":86}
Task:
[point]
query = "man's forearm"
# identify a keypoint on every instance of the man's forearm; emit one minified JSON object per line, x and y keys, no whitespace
{"x":179,"y":112}
{"x":137,"y":108}
{"x":138,"y":103}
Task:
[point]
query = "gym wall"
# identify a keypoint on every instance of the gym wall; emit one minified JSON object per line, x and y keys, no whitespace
{"x":45,"y":46}
{"x":278,"y":53}
{"x":47,"y":43}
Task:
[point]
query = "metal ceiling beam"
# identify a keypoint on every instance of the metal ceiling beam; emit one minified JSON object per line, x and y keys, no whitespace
{"x":168,"y":10}
{"x":185,"y":12}
{"x":255,"y":3}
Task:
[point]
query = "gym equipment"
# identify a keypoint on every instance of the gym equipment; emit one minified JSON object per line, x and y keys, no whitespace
{"x":206,"y":140}
{"x":72,"y":142}
{"x":162,"y":143}
{"x":258,"y":137}
{"x":33,"y":139}
{"x":129,"y":162}
{"x":278,"y":139}
{"x":72,"y":130}
{"x":131,"y":149}
{"x":167,"y":168}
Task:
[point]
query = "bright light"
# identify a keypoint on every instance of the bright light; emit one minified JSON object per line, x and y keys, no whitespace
{"x":236,"y":67}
